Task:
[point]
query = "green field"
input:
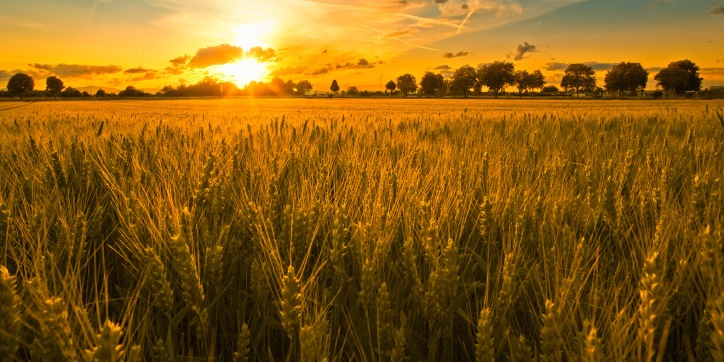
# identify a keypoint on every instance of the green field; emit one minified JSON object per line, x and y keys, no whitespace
{"x":365,"y":230}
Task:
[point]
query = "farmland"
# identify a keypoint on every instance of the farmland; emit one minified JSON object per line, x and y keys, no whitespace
{"x":346,"y":229}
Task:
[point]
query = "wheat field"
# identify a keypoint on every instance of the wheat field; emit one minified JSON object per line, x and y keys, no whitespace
{"x":362,"y":230}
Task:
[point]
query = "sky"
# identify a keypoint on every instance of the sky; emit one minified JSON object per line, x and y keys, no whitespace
{"x":149,"y":44}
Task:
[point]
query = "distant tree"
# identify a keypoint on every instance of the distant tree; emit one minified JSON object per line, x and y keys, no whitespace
{"x":463,"y":80}
{"x":525,"y":80}
{"x":390,"y":86}
{"x":289,"y":87}
{"x":71,"y":92}
{"x":681,"y":77}
{"x":303,"y":86}
{"x":278,"y":86}
{"x":407,"y":84}
{"x":100,"y":93}
{"x":496,"y":76}
{"x":549,"y":89}
{"x":537,"y":80}
{"x":353,"y":91}
{"x":626,"y":76}
{"x":334,"y":87}
{"x":131,"y":91}
{"x":54,"y":85}
{"x":85,"y":94}
{"x":579,"y":77}
{"x":431,"y":83}
{"x":20,"y":83}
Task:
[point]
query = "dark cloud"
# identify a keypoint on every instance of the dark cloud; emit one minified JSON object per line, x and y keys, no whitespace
{"x":442,"y":67}
{"x":717,"y":9}
{"x":440,"y":1}
{"x":218,"y":55}
{"x":147,"y":75}
{"x":286,"y":71}
{"x":321,"y":71}
{"x":556,"y":66}
{"x":594,"y":65}
{"x":180,"y":61}
{"x":260,"y":54}
{"x":458,"y":54}
{"x":464,"y":6}
{"x":600,"y":66}
{"x":136,"y":70}
{"x":77,"y":70}
{"x":522,"y":50}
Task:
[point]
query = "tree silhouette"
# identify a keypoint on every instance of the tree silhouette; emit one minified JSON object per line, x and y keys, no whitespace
{"x":496,"y":76}
{"x":681,"y":76}
{"x":579,"y":77}
{"x":334,"y":87}
{"x":303,"y":86}
{"x":100,"y":93}
{"x":431,"y":84}
{"x":626,"y":76}
{"x":390,"y":86}
{"x":463,"y":80}
{"x":525,"y":80}
{"x":407,"y":84}
{"x":20,"y":83}
{"x":54,"y":85}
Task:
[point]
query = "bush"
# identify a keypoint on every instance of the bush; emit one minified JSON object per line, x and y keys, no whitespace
{"x":657,"y":94}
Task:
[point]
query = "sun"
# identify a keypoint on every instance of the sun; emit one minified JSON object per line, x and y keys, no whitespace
{"x":243,"y":71}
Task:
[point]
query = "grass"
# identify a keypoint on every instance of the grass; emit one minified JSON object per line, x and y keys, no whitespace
{"x":353,"y":230}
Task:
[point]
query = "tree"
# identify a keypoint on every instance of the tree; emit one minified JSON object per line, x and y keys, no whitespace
{"x":71,"y":92}
{"x":537,"y":80}
{"x":431,"y":84}
{"x":626,"y":76}
{"x":550,"y":89}
{"x":353,"y":91}
{"x":681,"y":77}
{"x":390,"y":86}
{"x":579,"y":77}
{"x":278,"y":86}
{"x":20,"y":83}
{"x":525,"y":80}
{"x":101,"y":93}
{"x":54,"y":85}
{"x":407,"y":84}
{"x":303,"y":86}
{"x":496,"y":76}
{"x":131,"y":91}
{"x":334,"y":87}
{"x":463,"y":80}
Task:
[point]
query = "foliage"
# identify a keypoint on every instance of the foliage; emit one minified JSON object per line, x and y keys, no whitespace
{"x":626,"y":76}
{"x":334,"y":87}
{"x":71,"y":92}
{"x":525,"y":80}
{"x":20,"y":83}
{"x":406,"y":83}
{"x":496,"y":76}
{"x":54,"y":85}
{"x":130,"y":91}
{"x":681,"y":77}
{"x":579,"y":77}
{"x":464,"y":79}
{"x":432,"y":84}
{"x":390,"y":86}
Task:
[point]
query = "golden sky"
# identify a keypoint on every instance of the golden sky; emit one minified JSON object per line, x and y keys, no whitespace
{"x":152,"y":43}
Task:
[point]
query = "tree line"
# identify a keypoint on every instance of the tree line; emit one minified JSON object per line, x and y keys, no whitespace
{"x":625,"y":78}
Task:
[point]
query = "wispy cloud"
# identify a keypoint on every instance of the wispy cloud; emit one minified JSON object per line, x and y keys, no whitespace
{"x":522,"y":50}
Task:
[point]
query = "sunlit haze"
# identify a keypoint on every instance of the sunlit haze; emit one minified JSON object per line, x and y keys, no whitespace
{"x":152,"y":43}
